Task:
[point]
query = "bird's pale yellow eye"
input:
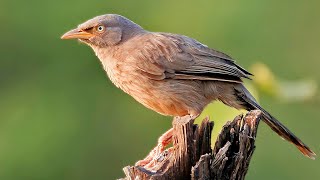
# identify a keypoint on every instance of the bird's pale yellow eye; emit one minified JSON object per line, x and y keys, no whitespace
{"x":101,"y":28}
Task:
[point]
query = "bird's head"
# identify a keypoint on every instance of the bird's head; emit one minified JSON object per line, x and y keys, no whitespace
{"x":105,"y":30}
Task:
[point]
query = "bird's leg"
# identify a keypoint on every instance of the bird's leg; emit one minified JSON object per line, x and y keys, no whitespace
{"x":152,"y":157}
{"x":163,"y":141}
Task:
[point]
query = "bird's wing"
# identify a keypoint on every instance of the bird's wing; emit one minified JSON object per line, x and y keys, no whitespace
{"x":179,"y":57}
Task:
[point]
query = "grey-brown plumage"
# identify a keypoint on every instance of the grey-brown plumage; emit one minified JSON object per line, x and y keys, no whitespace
{"x":171,"y":74}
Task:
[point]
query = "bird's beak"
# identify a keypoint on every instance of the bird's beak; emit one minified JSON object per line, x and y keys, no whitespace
{"x":76,"y":34}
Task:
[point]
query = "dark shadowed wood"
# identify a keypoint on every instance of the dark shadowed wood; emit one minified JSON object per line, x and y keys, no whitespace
{"x":191,"y":156}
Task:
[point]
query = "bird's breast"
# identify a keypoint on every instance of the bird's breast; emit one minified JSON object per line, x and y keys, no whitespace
{"x":113,"y":71}
{"x":122,"y":74}
{"x":109,"y":64}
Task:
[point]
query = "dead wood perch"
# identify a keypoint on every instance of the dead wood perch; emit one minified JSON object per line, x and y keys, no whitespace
{"x":191,"y":156}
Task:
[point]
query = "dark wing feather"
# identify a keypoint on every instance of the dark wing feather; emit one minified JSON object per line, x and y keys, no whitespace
{"x":180,"y":57}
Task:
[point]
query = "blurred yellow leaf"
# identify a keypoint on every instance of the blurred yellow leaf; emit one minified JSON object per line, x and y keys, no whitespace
{"x":265,"y":79}
{"x":268,"y":83}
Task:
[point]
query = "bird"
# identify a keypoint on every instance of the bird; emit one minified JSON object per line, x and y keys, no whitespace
{"x":172,"y":74}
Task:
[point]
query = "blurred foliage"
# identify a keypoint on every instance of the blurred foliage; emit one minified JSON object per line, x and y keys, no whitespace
{"x":294,"y":90}
{"x":60,"y":118}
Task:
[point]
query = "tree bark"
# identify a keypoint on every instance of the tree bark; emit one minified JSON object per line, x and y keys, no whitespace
{"x":191,"y":156}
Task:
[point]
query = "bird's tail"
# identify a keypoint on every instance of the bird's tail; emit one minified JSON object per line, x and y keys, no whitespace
{"x":250,"y":103}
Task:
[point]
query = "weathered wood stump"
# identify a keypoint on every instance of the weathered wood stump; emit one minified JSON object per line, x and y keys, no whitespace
{"x":191,"y":156}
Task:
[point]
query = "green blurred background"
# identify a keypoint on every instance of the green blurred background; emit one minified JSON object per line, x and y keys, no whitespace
{"x":61,"y":118}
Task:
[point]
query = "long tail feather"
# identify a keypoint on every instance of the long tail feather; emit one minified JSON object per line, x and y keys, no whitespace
{"x":251,"y":104}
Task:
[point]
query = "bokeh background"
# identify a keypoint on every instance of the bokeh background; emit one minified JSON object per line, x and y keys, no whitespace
{"x":61,"y":118}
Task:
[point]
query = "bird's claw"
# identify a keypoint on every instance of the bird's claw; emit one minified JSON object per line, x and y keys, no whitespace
{"x":158,"y":153}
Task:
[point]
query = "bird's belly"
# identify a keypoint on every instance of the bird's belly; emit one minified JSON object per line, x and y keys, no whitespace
{"x":161,"y":102}
{"x":168,"y":97}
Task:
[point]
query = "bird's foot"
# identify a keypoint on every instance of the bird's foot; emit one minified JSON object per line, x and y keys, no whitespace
{"x":158,"y":152}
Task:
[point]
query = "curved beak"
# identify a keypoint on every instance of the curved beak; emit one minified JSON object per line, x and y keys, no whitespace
{"x":76,"y":34}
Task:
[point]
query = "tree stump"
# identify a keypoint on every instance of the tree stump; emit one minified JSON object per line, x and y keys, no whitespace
{"x":191,"y":156}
